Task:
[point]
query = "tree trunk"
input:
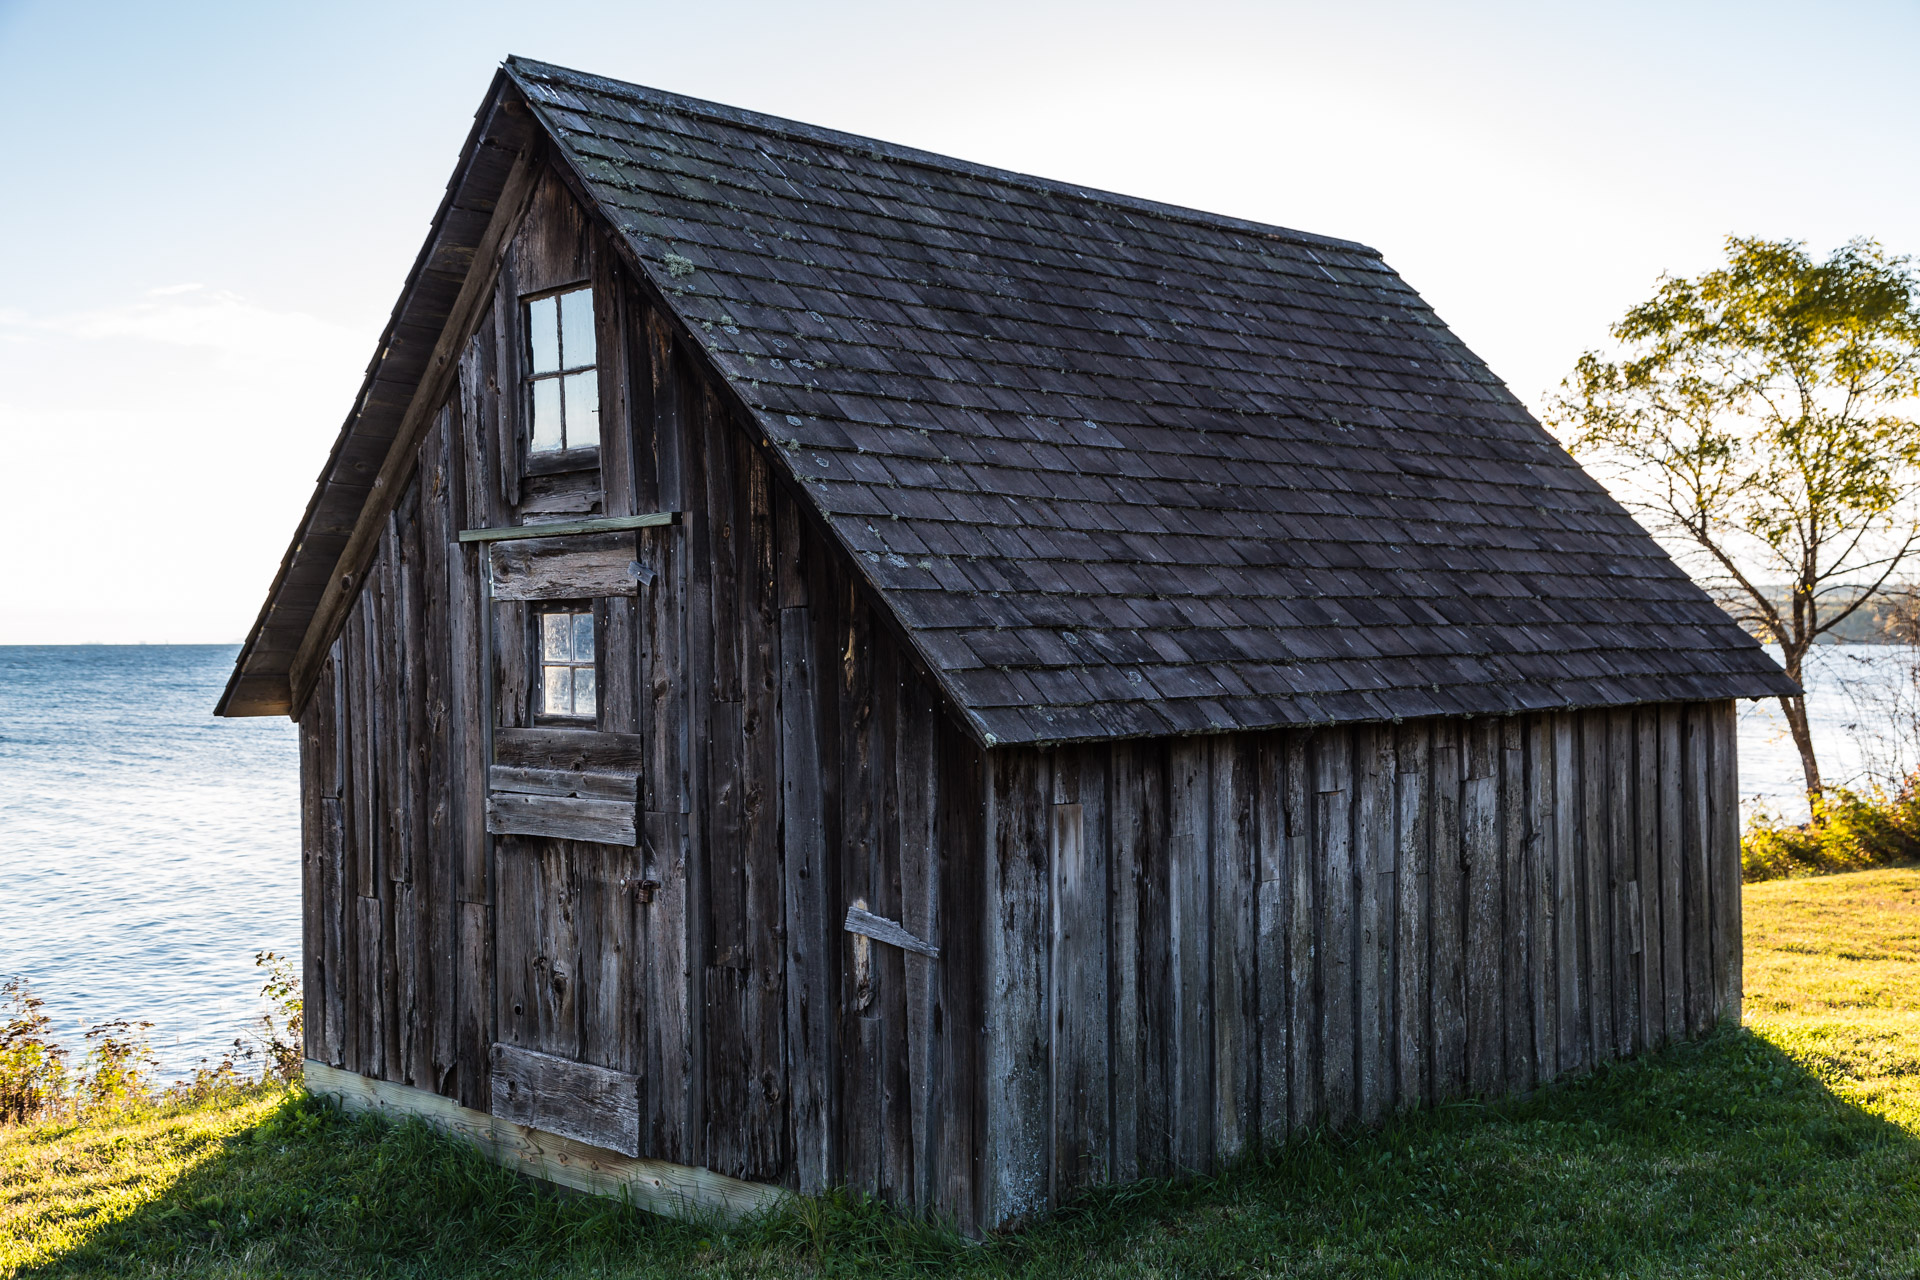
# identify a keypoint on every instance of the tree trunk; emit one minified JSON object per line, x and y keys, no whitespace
{"x":1796,"y":709}
{"x":1796,"y":713}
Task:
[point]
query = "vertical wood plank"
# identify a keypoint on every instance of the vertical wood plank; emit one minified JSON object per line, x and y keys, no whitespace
{"x":1127,"y":822}
{"x":1018,"y":916}
{"x":917,"y":769}
{"x":1575,"y":1049}
{"x":1333,"y":840}
{"x":1649,"y":972}
{"x":1542,"y":870}
{"x":1304,"y":1096}
{"x":1274,"y":874}
{"x":959,"y":1013}
{"x":704,"y":654}
{"x":1623,"y":886}
{"x":1696,"y":839}
{"x":1672,"y":873}
{"x":862,"y":1104}
{"x":1235,"y":1007}
{"x":371,"y":941}
{"x":1596,"y":864}
{"x":1190,"y":1084}
{"x":1078,"y":984}
{"x":1412,"y":972}
{"x":765,"y":1033}
{"x":1724,"y":858}
{"x":1374,"y":853}
{"x":724,"y":1017}
{"x":1156,"y":967}
{"x":316,"y":750}
{"x":1516,"y":956}
{"x":1485,"y":940}
{"x":809,"y":943}
{"x":1447,"y":925}
{"x":612,"y":316}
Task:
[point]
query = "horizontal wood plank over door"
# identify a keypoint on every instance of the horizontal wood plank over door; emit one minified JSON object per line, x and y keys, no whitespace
{"x":580,"y":750}
{"x":562,"y":817}
{"x":576,"y":568}
{"x":573,"y":1099}
{"x":565,"y":782}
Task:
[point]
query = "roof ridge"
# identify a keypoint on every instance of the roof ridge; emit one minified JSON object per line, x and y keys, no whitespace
{"x":519,"y":67}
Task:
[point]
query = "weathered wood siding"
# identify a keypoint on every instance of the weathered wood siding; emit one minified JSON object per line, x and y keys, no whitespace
{"x":1197,"y":944}
{"x":793,"y":761}
{"x":1152,"y":954}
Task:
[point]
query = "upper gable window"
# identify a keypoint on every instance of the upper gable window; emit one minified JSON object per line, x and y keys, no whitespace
{"x":565,"y":384}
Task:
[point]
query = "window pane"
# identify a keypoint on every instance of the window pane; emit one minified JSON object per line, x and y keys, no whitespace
{"x":583,"y":691}
{"x":583,"y":409}
{"x":556,"y":690}
{"x":583,"y":637}
{"x":546,"y":416}
{"x":556,"y":637}
{"x":576,"y":327}
{"x":543,"y":332}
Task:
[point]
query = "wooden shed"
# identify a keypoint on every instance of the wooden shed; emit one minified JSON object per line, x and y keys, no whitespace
{"x":819,"y":663}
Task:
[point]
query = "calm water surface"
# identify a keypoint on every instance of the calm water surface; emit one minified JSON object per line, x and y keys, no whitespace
{"x":147,"y":850}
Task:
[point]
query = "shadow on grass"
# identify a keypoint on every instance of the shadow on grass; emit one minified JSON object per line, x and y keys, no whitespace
{"x":1718,"y":1158}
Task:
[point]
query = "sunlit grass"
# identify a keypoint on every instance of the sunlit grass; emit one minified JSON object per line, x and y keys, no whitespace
{"x":1791,"y":1149}
{"x":1833,"y":977}
{"x":59,"y":1182}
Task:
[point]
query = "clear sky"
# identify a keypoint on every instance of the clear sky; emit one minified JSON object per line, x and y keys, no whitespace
{"x":207,"y":210}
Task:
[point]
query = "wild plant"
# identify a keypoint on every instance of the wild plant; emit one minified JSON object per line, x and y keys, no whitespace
{"x":33,"y":1065}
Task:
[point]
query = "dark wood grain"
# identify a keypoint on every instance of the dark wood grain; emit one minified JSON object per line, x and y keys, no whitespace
{"x":1480,"y":837}
{"x":1190,"y":1083}
{"x":573,"y":1099}
{"x":1447,"y":993}
{"x":1414,"y":853}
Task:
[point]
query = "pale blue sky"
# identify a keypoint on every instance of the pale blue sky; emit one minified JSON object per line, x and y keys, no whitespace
{"x":209,"y":208}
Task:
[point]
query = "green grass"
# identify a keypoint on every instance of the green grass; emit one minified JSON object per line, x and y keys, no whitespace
{"x":1789,"y":1148}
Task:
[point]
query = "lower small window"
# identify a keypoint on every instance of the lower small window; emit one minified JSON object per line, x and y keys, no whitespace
{"x":567,"y":684}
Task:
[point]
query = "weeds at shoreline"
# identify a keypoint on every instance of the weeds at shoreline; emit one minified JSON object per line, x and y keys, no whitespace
{"x":39,"y":1082}
{"x":1849,"y":831}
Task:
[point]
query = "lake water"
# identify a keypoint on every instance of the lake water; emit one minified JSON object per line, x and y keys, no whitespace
{"x":147,"y":850}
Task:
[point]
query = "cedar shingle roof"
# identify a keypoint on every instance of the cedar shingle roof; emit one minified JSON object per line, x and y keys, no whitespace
{"x":1126,"y":469}
{"x":1118,"y":468}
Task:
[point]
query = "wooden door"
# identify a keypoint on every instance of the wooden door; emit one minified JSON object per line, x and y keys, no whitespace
{"x":563,"y":808}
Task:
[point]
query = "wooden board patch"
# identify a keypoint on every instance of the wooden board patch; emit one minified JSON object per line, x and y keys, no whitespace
{"x":573,"y":1099}
{"x":566,"y":568}
{"x":582,"y":750}
{"x":512,"y":813}
{"x":587,"y":784}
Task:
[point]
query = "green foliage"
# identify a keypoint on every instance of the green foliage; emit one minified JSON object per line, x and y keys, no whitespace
{"x":281,"y":1028}
{"x":1763,"y":399}
{"x":1760,"y":418}
{"x":117,"y":1070}
{"x":33,"y":1066}
{"x":1849,"y":831}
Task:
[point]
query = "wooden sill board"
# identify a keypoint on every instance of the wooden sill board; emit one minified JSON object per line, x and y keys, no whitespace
{"x":657,"y":1186}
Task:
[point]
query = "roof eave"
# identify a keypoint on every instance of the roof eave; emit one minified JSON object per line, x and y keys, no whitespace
{"x":349,"y":483}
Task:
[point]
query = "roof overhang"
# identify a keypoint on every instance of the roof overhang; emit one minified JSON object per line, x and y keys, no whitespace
{"x":408,"y":376}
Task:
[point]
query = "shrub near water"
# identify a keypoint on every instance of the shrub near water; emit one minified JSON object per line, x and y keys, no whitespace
{"x":116,"y":1071}
{"x":33,"y":1065}
{"x":1850,"y":831}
